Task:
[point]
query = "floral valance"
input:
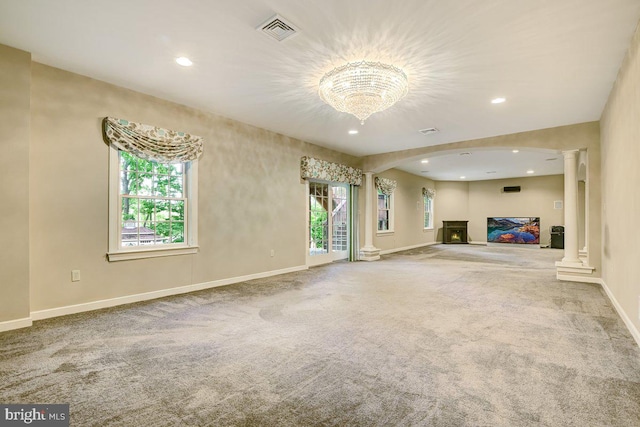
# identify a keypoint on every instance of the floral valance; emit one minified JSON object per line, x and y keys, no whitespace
{"x":386,"y":186}
{"x":152,"y":143}
{"x":430,"y":192}
{"x":311,"y":168}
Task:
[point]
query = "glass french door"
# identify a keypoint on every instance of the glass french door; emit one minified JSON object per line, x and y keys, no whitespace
{"x":328,"y":226}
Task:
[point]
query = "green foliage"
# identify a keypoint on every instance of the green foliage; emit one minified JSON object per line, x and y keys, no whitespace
{"x":319,"y":224}
{"x":156,"y":191}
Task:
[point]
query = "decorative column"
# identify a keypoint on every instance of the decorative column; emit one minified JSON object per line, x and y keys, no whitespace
{"x":583,"y":202}
{"x":571,"y":257}
{"x":582,"y":219}
{"x":368,"y":252}
{"x":571,"y":267}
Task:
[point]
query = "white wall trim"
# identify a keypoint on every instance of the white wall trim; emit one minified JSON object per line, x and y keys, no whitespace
{"x":128,"y":299}
{"x":10,"y":325}
{"x":150,"y":253}
{"x":118,"y":253}
{"x":406,"y":248}
{"x":627,"y":321}
{"x":475,"y":242}
{"x":580,"y":279}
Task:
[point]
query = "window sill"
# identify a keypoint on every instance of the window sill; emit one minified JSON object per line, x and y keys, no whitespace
{"x":150,"y":253}
{"x":428,"y":229}
{"x":384,"y":233}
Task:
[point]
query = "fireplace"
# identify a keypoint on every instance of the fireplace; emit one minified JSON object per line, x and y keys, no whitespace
{"x":454,"y":232}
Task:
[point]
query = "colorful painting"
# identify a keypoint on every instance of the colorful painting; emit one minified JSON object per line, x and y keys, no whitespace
{"x":513,"y":230}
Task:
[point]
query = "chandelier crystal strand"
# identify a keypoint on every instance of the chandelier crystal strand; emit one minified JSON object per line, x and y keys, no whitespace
{"x":363,"y":88}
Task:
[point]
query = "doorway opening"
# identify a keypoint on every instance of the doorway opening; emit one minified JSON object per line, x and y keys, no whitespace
{"x":328,"y":222}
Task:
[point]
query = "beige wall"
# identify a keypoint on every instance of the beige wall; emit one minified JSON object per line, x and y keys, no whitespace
{"x":476,"y":200}
{"x":408,"y":226}
{"x":580,"y":136}
{"x":15,"y":69}
{"x":251,"y":197}
{"x":621,"y":192}
{"x":451,"y":203}
{"x":535,"y":199}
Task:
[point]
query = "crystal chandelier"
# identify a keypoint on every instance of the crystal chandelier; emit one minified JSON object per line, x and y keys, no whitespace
{"x":363,"y":88}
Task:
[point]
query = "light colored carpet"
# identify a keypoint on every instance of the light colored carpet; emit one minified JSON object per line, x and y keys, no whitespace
{"x":448,"y":335}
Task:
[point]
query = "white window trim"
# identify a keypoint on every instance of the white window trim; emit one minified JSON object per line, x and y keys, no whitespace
{"x":391,"y":215}
{"x":118,"y":253}
{"x":431,"y":217}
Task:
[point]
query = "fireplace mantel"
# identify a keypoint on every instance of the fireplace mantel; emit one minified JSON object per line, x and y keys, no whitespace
{"x":454,"y":232}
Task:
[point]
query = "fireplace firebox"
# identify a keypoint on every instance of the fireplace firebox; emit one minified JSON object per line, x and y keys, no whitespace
{"x":454,"y":232}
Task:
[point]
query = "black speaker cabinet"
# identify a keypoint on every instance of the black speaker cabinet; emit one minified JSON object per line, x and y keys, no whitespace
{"x":514,"y":189}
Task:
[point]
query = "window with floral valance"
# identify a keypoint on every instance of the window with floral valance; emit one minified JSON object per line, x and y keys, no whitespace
{"x":428,"y":194}
{"x":385,"y":188}
{"x":153,"y":191}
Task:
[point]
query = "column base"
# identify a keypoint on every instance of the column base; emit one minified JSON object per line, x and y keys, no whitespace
{"x":570,"y":263}
{"x":574,"y":272}
{"x":369,"y":253}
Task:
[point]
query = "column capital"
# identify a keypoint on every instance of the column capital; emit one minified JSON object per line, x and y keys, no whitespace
{"x":570,"y":153}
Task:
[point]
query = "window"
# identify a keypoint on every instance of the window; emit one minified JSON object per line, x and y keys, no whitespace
{"x":152,"y":207}
{"x":385,"y":212}
{"x":428,"y":211}
{"x":318,"y":218}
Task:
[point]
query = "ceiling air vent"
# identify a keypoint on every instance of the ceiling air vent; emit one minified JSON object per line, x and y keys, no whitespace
{"x":427,"y":131}
{"x":278,"y":28}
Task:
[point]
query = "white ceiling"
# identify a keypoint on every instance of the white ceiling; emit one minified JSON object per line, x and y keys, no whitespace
{"x":483,"y":164}
{"x":554,"y":60}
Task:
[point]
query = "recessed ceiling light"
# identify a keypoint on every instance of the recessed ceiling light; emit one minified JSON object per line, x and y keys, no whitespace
{"x":353,"y":132}
{"x":425,"y":161}
{"x":462,"y":177}
{"x":491,"y":172}
{"x":515,"y":151}
{"x":465,"y":154}
{"x":184,"y":61}
{"x":498,"y":100}
{"x":530,"y":171}
{"x":424,"y":171}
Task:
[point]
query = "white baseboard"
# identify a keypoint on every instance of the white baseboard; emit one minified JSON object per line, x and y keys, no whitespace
{"x":406,"y":248}
{"x":478,"y":243}
{"x":10,"y":325}
{"x":582,"y":279}
{"x":627,"y":321}
{"x":112,"y":302}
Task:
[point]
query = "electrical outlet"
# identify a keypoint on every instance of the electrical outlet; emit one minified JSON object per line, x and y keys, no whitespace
{"x":75,"y":275}
{"x":273,"y":252}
